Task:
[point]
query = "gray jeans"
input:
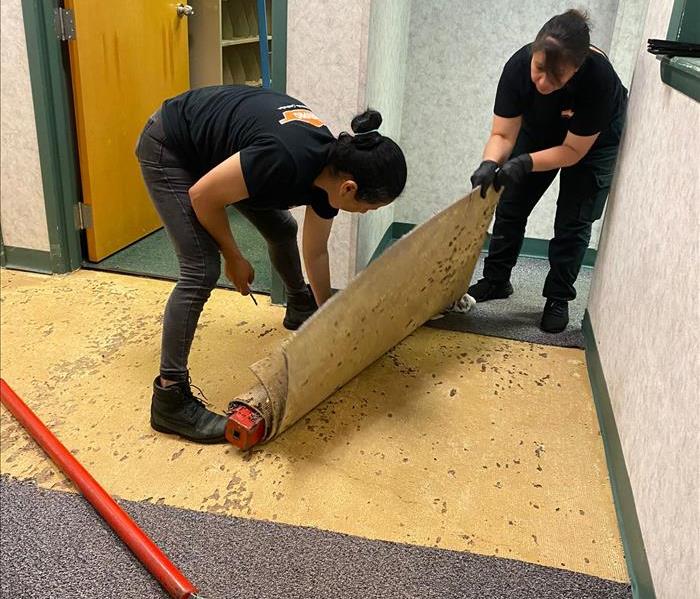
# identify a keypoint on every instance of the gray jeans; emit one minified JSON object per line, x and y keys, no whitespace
{"x":168,"y":182}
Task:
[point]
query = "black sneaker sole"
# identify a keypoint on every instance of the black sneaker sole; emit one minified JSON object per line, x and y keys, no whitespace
{"x":553,"y":330}
{"x":206,"y":441}
{"x":505,"y":294}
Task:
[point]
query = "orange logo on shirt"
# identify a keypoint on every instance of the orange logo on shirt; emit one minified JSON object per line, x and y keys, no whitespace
{"x":303,"y":115}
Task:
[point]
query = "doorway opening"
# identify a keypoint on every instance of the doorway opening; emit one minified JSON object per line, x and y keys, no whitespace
{"x":146,"y":60}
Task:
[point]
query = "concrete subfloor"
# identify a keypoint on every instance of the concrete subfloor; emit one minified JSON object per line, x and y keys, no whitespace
{"x":452,"y":440}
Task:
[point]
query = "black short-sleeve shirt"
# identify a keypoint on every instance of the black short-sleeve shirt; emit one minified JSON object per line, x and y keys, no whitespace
{"x":283,"y":144}
{"x":586,"y":105}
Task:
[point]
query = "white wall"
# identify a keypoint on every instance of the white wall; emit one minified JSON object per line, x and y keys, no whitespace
{"x":627,"y":37}
{"x":22,"y":210}
{"x":327,"y":69}
{"x":456,"y":53}
{"x":645,"y":311}
{"x":386,"y":78}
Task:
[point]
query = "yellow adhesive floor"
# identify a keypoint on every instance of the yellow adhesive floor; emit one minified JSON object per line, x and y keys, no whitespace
{"x":451,"y":440}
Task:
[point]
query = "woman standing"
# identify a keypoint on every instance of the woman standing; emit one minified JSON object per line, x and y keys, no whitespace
{"x":263,"y":152}
{"x":559,"y":108}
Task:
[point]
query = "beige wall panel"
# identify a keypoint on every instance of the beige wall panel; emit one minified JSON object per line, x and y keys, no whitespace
{"x":646,"y":315}
{"x":327,"y":69}
{"x":22,"y":211}
{"x":386,"y":81}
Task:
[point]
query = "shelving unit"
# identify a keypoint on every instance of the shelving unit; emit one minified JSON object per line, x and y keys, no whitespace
{"x":225,"y":43}
{"x":243,"y":40}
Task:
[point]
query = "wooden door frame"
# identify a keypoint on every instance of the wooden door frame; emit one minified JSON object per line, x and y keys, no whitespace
{"x":49,"y":71}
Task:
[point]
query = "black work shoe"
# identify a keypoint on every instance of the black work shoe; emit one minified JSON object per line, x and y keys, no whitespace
{"x":485,"y":290}
{"x":555,"y":316}
{"x":175,"y":410}
{"x":300,"y":307}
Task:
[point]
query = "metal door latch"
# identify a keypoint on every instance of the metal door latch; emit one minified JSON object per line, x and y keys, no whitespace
{"x":184,"y":10}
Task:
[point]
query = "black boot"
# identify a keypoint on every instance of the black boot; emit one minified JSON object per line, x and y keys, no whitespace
{"x":300,"y":307}
{"x":175,"y":410}
{"x":555,"y":316}
{"x":485,"y":290}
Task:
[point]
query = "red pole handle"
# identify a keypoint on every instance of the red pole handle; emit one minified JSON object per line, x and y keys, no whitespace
{"x":157,"y":563}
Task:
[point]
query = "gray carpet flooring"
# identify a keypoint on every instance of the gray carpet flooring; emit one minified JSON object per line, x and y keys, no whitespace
{"x":518,"y":317}
{"x":52,"y":544}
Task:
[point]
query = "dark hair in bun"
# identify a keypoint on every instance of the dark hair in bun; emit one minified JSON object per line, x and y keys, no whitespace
{"x":375,"y":162}
{"x":367,"y":121}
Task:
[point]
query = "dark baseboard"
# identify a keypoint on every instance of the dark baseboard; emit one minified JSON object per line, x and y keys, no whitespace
{"x":400,"y":229}
{"x":630,"y":531}
{"x":25,"y":259}
{"x":387,"y":239}
{"x":539,"y":248}
{"x":532,"y":248}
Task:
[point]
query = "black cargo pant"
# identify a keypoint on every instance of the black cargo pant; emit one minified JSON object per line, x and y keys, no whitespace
{"x":168,"y":182}
{"x":583,"y":189}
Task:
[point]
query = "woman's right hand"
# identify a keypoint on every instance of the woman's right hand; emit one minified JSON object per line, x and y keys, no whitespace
{"x":484,"y":176}
{"x":240,"y":272}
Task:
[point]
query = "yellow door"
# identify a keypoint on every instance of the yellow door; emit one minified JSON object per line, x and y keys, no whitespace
{"x":126,"y":58}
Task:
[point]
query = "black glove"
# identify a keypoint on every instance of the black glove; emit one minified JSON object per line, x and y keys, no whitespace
{"x":513,"y":171}
{"x":484,"y":176}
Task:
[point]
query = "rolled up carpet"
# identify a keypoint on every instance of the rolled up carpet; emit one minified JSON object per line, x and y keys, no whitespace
{"x":417,"y":277}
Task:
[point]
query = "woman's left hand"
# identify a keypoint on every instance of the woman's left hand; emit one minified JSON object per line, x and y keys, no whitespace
{"x":513,"y":172}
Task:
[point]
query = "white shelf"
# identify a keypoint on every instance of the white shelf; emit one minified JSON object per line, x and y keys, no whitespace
{"x":242,"y":40}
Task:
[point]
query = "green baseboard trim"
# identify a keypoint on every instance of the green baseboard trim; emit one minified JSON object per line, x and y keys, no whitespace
{"x":28,"y":260}
{"x":387,"y":239}
{"x":539,"y":248}
{"x":398,"y":230}
{"x":630,"y":531}
{"x":532,"y":248}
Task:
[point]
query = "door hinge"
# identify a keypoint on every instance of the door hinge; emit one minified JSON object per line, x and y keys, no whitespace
{"x":65,"y":24}
{"x":83,"y":216}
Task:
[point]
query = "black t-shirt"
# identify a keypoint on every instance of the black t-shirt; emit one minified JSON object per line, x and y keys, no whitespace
{"x":283,"y":145}
{"x":593,"y":98}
